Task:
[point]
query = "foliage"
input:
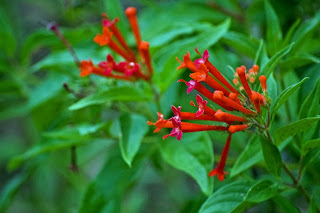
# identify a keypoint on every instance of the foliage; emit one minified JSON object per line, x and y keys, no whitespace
{"x":52,"y":118}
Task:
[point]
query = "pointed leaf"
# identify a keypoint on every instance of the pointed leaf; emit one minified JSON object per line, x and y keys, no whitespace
{"x":284,"y":96}
{"x":227,"y":198}
{"x":133,"y":128}
{"x":272,"y":63}
{"x":261,"y":191}
{"x":251,"y":155}
{"x":274,"y":34}
{"x":193,"y":155}
{"x":294,"y":128}
{"x":112,"y":94}
{"x":271,"y":156}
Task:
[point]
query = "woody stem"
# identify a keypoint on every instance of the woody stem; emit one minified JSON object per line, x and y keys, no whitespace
{"x":290,"y":174}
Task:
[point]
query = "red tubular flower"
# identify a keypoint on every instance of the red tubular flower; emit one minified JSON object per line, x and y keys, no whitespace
{"x":161,"y":123}
{"x":105,"y":39}
{"x":130,"y":69}
{"x":256,"y":102}
{"x":242,"y":75}
{"x":202,"y":107}
{"x":263,"y":82}
{"x":219,"y":96}
{"x":228,"y":118}
{"x":219,"y":170}
{"x":86,"y":68}
{"x":116,"y":32}
{"x":234,"y":97}
{"x":144,"y":52}
{"x":131,"y":14}
{"x":187,"y":63}
{"x":237,"y":128}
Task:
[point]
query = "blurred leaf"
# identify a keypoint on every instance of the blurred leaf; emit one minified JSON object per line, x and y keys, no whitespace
{"x":314,"y":206}
{"x":271,"y":156}
{"x":227,"y":198}
{"x":50,"y":146}
{"x":250,"y":156}
{"x":274,"y":34}
{"x":298,"y":61}
{"x":261,"y":191}
{"x":8,"y":41}
{"x":241,"y":43}
{"x":290,"y":32}
{"x":294,"y":128}
{"x":285,"y":205}
{"x":274,"y":60}
{"x":12,"y":188}
{"x":310,"y":106}
{"x":284,"y":96}
{"x":167,"y":62}
{"x":272,"y":87}
{"x":309,"y":158}
{"x":133,"y":128}
{"x":309,"y":145}
{"x":258,"y":53}
{"x":112,"y":94}
{"x":63,"y":58}
{"x":304,"y":31}
{"x":170,"y":34}
{"x":35,"y":40}
{"x":193,"y":155}
{"x":105,"y":193}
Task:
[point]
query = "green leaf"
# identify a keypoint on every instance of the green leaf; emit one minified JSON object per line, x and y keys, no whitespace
{"x":166,"y":57}
{"x":241,"y":43}
{"x":50,"y":146}
{"x":193,"y":155}
{"x":133,"y":128}
{"x":105,"y":193}
{"x":299,"y":61}
{"x":8,"y":41}
{"x":274,"y":34}
{"x":294,"y":128}
{"x":310,"y":158}
{"x":309,"y":145}
{"x":227,"y":198}
{"x":250,"y":156}
{"x":283,"y":97}
{"x":290,"y":32}
{"x":310,"y":106}
{"x":271,"y":156}
{"x":259,"y":52}
{"x":272,"y":63}
{"x":272,"y":87}
{"x":261,"y":191}
{"x":12,"y":188}
{"x":305,"y":30}
{"x":112,"y":94}
{"x":285,"y":205}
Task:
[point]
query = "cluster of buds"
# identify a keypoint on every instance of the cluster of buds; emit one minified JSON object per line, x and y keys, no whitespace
{"x":134,"y":66}
{"x":245,"y":104}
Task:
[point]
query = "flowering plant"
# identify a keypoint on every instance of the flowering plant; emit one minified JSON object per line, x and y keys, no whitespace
{"x":80,"y":100}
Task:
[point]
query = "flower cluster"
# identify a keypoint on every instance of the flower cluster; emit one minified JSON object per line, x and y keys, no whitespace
{"x":132,"y":67}
{"x":244,"y":103}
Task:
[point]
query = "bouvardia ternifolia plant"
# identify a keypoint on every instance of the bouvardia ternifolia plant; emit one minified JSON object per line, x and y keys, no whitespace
{"x":236,"y":104}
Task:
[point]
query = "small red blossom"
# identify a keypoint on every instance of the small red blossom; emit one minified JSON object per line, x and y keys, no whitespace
{"x":210,"y":83}
{"x":219,"y":170}
{"x":130,"y":69}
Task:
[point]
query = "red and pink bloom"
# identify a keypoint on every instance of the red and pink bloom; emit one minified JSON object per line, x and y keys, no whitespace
{"x":241,"y":99}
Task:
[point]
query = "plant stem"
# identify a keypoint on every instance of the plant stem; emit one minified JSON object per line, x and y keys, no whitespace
{"x":296,"y":183}
{"x":73,"y":164}
{"x":290,"y":174}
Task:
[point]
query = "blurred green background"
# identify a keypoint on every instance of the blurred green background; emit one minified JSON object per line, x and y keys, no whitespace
{"x":34,"y":64}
